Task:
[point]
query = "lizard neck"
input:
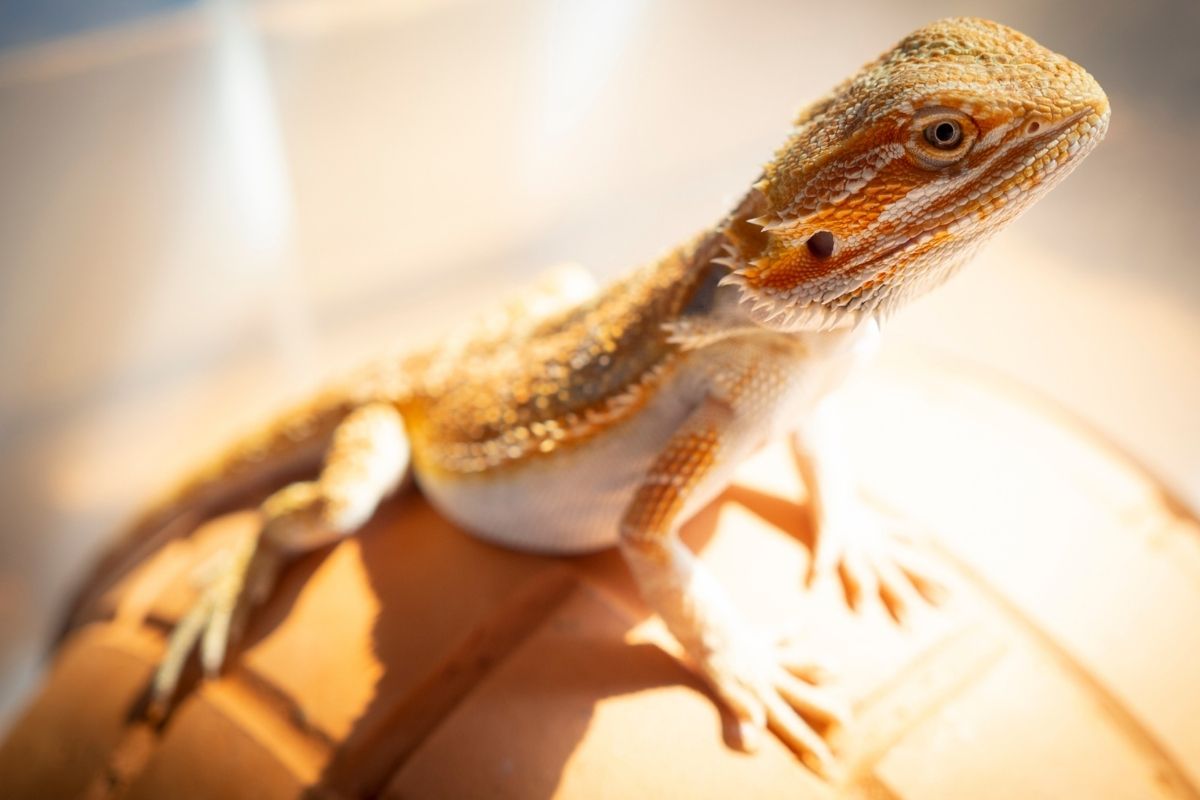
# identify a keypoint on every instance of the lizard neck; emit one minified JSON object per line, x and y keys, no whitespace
{"x":582,"y":372}
{"x":711,"y":308}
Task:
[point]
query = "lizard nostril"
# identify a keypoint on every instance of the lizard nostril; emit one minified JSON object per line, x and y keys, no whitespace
{"x":820,"y":244}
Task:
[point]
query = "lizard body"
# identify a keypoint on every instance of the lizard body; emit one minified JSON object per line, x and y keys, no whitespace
{"x":573,"y":419}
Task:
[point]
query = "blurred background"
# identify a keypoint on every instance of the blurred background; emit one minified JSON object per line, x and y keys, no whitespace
{"x":208,"y":206}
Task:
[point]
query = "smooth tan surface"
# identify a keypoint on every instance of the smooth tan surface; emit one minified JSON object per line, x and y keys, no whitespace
{"x":204,"y":212}
{"x":415,"y":661}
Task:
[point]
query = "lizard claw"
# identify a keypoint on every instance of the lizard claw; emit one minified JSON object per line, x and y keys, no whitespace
{"x":795,"y":659}
{"x":233,"y":581}
{"x":765,"y":690}
{"x":872,"y":564}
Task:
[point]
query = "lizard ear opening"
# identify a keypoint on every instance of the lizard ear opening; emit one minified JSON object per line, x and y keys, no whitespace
{"x":821,"y":244}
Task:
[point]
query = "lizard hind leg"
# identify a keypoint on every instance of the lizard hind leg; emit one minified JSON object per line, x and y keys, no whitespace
{"x":366,"y":460}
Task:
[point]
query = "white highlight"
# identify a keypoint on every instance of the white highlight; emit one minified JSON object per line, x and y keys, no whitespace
{"x":250,"y":142}
{"x":580,"y":46}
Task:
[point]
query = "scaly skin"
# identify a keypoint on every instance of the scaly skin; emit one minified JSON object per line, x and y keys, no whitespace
{"x":573,"y":419}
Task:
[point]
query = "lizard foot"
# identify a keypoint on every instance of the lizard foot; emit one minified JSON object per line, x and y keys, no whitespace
{"x":763,"y":685}
{"x":775,"y":688}
{"x":870,"y":563}
{"x":237,"y":578}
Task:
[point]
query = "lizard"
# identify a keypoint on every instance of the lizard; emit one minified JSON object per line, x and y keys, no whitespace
{"x":576,"y":418}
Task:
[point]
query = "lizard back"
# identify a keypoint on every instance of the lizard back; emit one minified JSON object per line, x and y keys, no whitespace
{"x":494,"y":400}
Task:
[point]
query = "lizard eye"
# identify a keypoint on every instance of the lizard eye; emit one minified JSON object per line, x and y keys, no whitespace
{"x":944,"y":135}
{"x":940,"y":137}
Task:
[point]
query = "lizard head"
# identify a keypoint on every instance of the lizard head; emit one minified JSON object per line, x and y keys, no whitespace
{"x":890,"y":182}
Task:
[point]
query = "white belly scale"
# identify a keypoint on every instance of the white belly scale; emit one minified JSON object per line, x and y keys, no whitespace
{"x":572,"y":501}
{"x":567,"y":502}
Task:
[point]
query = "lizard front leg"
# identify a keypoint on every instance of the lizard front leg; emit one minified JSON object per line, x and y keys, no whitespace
{"x":850,"y":540}
{"x":366,"y":459}
{"x":753,"y":679}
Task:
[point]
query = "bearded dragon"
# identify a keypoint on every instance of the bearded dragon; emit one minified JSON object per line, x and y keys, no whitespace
{"x":575,"y":419}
